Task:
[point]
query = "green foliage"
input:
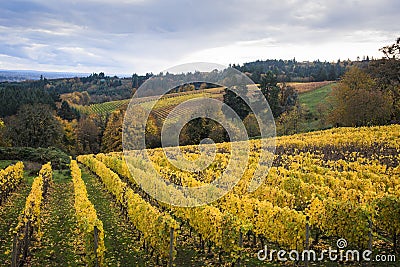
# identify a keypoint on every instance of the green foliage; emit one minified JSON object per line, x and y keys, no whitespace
{"x":236,"y":102}
{"x":95,"y":88}
{"x":312,"y":98}
{"x":57,"y":157}
{"x":270,"y":90}
{"x":200,"y":128}
{"x":66,"y":112}
{"x":291,"y":70}
{"x":280,"y":98}
{"x":35,"y":126}
{"x":289,"y":122}
{"x":15,"y":96}
{"x":251,"y":124}
{"x":386,"y":73}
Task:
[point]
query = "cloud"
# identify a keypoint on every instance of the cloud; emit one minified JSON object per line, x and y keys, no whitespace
{"x":143,"y":36}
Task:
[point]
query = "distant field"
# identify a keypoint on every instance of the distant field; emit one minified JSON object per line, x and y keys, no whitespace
{"x":311,"y":99}
{"x":308,"y":86}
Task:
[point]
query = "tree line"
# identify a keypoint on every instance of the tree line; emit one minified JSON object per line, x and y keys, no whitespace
{"x":294,"y":71}
{"x":34,"y":114}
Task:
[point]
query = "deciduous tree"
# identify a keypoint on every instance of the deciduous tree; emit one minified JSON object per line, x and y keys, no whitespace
{"x":112,"y":136}
{"x":88,"y":136}
{"x":358,"y":101}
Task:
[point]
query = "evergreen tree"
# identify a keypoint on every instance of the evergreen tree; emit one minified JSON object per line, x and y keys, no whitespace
{"x":271,"y":91}
{"x":35,"y":126}
{"x":236,"y":102}
{"x":66,"y":112}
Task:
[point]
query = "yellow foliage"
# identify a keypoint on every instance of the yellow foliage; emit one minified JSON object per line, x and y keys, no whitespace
{"x":34,"y":201}
{"x":87,"y":219}
{"x":10,"y":178}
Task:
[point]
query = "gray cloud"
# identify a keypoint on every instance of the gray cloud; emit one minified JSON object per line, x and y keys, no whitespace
{"x":137,"y":35}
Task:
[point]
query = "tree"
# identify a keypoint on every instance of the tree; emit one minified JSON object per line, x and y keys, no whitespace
{"x":3,"y":141}
{"x":15,"y":96}
{"x":386,"y":72}
{"x":135,"y":81}
{"x":35,"y":126}
{"x":186,"y":88}
{"x":236,"y":102}
{"x":153,"y":132}
{"x":77,"y":98}
{"x":203,"y":86}
{"x":133,"y":128}
{"x":271,"y":91}
{"x":322,"y":75}
{"x":66,"y":112}
{"x":69,"y":139}
{"x":288,"y":97}
{"x":251,"y":125}
{"x":289,"y":121}
{"x":88,"y":136}
{"x":332,"y":73}
{"x":201,"y":128}
{"x":112,"y":136}
{"x":357,"y":101}
{"x":392,"y":51}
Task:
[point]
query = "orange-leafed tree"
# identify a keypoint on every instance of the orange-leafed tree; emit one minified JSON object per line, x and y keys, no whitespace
{"x":358,"y":101}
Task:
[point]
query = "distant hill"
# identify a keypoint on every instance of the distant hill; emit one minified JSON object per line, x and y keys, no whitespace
{"x":23,"y":75}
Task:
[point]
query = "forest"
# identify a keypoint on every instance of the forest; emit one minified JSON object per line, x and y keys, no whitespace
{"x":48,"y":112}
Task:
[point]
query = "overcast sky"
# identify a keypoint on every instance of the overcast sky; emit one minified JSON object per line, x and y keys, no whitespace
{"x":126,"y":36}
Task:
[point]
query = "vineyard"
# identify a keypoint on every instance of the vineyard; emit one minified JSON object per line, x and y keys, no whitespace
{"x":169,"y":101}
{"x":322,"y":186}
{"x":162,"y":106}
{"x":102,"y":108}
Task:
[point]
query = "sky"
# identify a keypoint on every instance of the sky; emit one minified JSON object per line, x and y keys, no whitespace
{"x":140,"y":36}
